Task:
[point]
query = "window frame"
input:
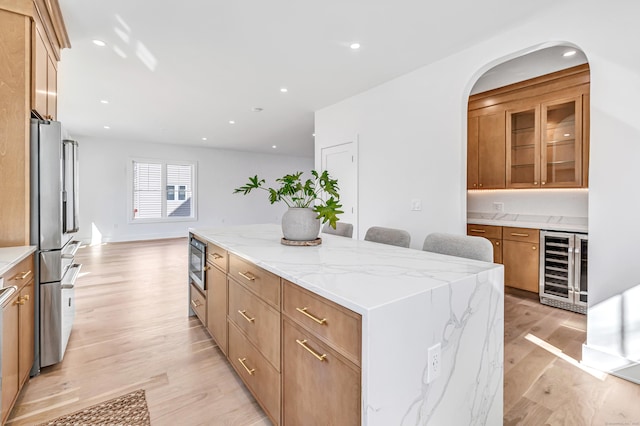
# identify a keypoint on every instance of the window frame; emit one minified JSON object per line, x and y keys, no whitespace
{"x":163,"y":185}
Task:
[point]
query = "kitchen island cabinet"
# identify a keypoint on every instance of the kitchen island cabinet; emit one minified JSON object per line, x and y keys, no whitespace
{"x":384,"y":307}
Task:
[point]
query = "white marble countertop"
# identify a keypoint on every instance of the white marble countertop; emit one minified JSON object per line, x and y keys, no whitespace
{"x":359,"y":275}
{"x":11,"y":256}
{"x":550,"y":223}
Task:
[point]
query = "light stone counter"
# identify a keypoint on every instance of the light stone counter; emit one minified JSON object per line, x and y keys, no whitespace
{"x":550,"y":223}
{"x":409,"y":300}
{"x":11,"y":256}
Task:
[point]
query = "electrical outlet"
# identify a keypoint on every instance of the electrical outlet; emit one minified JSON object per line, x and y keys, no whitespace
{"x":434,"y":355}
{"x":498,"y":207}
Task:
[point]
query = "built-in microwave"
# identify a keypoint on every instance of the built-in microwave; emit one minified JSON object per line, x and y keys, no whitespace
{"x":197,"y":262}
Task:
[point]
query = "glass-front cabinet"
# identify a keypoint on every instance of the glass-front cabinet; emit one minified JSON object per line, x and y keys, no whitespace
{"x":544,"y":145}
{"x":523,"y":147}
{"x":561,"y":150}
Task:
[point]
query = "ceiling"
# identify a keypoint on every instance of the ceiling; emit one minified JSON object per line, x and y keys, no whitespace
{"x":179,"y":72}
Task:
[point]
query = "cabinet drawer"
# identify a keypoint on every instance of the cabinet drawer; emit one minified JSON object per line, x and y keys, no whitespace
{"x":318,"y":385}
{"x":335,"y":324}
{"x":217,"y":256}
{"x":199,"y":304}
{"x":256,"y":372}
{"x":20,"y":274}
{"x":487,"y":231}
{"x":521,"y":234}
{"x":261,"y":282}
{"x":259,"y":321}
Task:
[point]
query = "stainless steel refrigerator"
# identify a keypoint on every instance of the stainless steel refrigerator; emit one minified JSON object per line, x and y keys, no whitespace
{"x":54,"y":221}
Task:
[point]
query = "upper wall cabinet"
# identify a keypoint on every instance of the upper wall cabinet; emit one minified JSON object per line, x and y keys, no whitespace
{"x":544,"y":126}
{"x":486,"y":151}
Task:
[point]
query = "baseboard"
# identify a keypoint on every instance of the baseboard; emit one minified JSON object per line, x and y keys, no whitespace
{"x":129,"y":238}
{"x":613,"y":364}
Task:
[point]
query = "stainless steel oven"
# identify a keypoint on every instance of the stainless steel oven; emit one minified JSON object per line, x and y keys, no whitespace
{"x":197,"y":262}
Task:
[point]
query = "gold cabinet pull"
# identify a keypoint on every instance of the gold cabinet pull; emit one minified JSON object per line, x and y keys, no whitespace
{"x":22,"y":275}
{"x":26,"y":297}
{"x":497,"y":243}
{"x":216,"y":256}
{"x":195,"y":304}
{"x":247,"y":276}
{"x":303,"y":343}
{"x":244,"y":315}
{"x":533,"y":247}
{"x":207,"y":267}
{"x":304,"y":312}
{"x":249,"y":370}
{"x":517,"y":234}
{"x":19,"y":301}
{"x":482,"y":231}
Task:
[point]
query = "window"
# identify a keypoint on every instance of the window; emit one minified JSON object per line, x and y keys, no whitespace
{"x":162,"y":191}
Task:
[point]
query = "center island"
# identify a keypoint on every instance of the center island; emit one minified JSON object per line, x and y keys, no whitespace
{"x":360,"y":332}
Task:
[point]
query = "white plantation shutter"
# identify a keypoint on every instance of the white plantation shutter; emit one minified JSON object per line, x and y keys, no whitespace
{"x":147,"y":190}
{"x":162,"y":190}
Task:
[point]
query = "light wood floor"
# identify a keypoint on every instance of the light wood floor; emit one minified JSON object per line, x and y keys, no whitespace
{"x":132,"y":331}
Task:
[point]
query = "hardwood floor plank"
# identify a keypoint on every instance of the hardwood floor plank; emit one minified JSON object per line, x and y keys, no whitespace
{"x":132,"y":331}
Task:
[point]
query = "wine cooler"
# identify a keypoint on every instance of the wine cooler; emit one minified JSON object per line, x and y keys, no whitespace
{"x":563,"y":270}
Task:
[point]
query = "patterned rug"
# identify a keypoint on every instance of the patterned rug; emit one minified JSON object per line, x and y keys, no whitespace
{"x":130,"y":410}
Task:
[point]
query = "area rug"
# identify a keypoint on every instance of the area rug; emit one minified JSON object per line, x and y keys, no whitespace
{"x":130,"y":410}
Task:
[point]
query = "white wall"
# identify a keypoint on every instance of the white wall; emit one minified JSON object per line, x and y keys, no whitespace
{"x":103,"y":187}
{"x":413,"y":145}
{"x":548,"y":202}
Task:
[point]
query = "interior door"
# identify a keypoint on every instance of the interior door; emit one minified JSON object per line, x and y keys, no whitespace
{"x":341,"y":162}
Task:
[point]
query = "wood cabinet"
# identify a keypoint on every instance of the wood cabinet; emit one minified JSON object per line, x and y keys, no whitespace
{"x":521,"y":258}
{"x":319,"y":386}
{"x":45,"y":77}
{"x":544,"y":145}
{"x":18,"y":318}
{"x":29,"y":29}
{"x":493,"y":234}
{"x":486,"y":151}
{"x":321,"y":353}
{"x":254,"y":332}
{"x":298,"y":353}
{"x":544,"y":123}
{"x":216,"y":279}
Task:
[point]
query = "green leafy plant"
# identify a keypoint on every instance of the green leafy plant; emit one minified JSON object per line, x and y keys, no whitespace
{"x":296,"y":193}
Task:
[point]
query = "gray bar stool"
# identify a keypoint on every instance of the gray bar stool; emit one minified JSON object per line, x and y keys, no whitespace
{"x":343,"y":229}
{"x":477,"y":248}
{"x":391,"y":236}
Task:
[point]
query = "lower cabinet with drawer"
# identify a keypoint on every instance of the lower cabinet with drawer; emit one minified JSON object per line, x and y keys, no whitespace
{"x":521,"y":258}
{"x":298,"y":353}
{"x":491,"y":233}
{"x":17,"y":333}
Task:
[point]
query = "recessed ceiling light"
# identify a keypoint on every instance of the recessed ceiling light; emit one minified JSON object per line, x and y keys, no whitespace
{"x":569,"y":53}
{"x":273,"y":146}
{"x":104,"y":101}
{"x":355,"y":46}
{"x":99,"y":43}
{"x":232,"y":122}
{"x":107,"y":127}
{"x":204,"y":139}
{"x":257,"y":109}
{"x":284,"y":89}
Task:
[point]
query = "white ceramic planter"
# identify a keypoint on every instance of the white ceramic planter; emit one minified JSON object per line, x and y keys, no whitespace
{"x":300,"y":224}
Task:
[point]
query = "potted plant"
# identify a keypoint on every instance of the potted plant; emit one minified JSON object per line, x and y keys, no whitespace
{"x":306,"y":201}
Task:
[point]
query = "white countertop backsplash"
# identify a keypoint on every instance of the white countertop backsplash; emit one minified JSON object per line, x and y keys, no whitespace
{"x":551,"y":223}
{"x":11,"y":256}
